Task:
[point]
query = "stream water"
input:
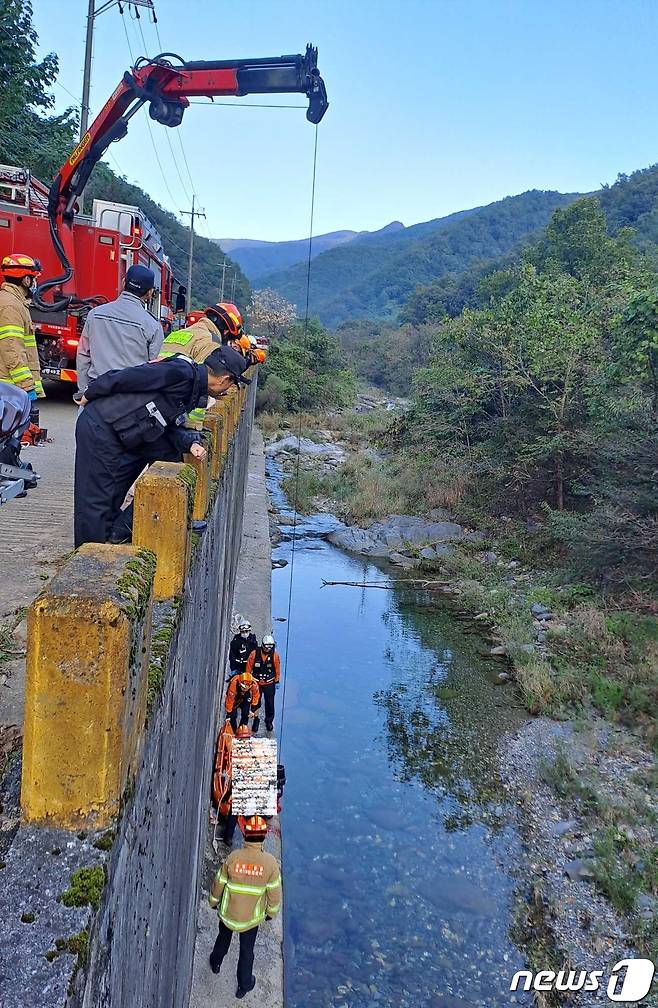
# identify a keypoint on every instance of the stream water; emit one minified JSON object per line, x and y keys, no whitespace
{"x":398,"y":836}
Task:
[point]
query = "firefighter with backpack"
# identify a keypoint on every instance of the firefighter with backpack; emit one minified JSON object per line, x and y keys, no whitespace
{"x":264,"y":665}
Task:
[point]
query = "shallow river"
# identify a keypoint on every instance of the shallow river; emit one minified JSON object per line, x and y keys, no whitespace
{"x":398,"y":837}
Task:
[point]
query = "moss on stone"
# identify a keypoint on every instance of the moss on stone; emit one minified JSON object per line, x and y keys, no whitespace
{"x":28,"y":918}
{"x":188,"y":476}
{"x":134,"y":585}
{"x":85,"y":888}
{"x":160,"y":646}
{"x":105,"y":841}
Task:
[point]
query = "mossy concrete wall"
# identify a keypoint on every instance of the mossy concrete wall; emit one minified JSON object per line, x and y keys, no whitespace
{"x":142,"y":941}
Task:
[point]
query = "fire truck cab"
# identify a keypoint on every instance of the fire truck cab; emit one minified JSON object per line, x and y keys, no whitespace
{"x":106,"y":242}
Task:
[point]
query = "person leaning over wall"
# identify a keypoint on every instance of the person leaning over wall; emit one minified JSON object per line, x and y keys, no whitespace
{"x":134,"y":417}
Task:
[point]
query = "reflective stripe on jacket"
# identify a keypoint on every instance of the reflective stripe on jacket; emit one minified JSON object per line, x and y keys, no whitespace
{"x":19,"y":358}
{"x":264,"y":667}
{"x":196,"y":342}
{"x":247,"y":888}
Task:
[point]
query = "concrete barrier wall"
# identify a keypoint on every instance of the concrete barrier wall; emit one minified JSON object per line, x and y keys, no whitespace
{"x":126,"y":656}
{"x":143,"y":937}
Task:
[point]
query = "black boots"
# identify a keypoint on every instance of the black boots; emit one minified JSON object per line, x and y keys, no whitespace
{"x":243,"y":991}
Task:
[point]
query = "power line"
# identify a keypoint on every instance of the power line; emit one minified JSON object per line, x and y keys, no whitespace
{"x":239,"y":105}
{"x":148,"y":124}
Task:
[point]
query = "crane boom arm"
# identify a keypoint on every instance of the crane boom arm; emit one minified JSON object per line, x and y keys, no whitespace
{"x":166,"y":83}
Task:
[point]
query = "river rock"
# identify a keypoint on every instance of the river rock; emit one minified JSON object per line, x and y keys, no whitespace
{"x":397,"y":532}
{"x":578,"y":870}
{"x":537,"y":609}
{"x":400,"y":560}
{"x":306,"y":448}
{"x":427,"y":553}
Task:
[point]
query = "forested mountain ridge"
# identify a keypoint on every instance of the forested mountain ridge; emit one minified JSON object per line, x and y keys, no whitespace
{"x":260,"y":258}
{"x":375,"y":275}
{"x":631,"y":202}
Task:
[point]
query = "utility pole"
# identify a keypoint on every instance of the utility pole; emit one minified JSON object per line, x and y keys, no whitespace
{"x":233,"y":289}
{"x":191,"y":214}
{"x":92,"y":13}
{"x":223,"y":265}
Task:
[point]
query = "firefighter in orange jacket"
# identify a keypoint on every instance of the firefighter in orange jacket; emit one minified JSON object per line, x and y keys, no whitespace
{"x":265,"y":666}
{"x":19,"y":359}
{"x":246,"y":892}
{"x":243,"y":694}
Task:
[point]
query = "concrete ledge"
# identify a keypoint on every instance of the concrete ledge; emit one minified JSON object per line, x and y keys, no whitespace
{"x":214,"y":424}
{"x":85,"y":704}
{"x":164,"y":501}
{"x":203,"y":470}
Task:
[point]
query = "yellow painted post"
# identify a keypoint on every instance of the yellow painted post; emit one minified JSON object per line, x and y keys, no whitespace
{"x":202,"y":467}
{"x":214,"y":424}
{"x":87,"y":676}
{"x":164,"y":498}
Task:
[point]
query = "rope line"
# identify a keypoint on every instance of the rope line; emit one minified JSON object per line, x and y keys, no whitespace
{"x":299,"y":437}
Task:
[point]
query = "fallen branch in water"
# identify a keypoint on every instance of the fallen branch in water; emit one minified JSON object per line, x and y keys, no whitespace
{"x":417,"y":582}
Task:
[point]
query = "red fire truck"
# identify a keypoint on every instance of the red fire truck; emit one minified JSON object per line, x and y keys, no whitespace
{"x":105,"y":244}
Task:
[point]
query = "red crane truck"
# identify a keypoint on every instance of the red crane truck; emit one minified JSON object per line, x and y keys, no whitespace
{"x":164,"y":83}
{"x":104,"y":244}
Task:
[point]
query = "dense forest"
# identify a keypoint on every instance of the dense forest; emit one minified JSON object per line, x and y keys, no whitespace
{"x":32,"y":136}
{"x":373,"y":276}
{"x":540,"y":401}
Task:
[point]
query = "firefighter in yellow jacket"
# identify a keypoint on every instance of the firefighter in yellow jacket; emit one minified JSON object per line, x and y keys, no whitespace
{"x":19,"y":360}
{"x":246,"y":891}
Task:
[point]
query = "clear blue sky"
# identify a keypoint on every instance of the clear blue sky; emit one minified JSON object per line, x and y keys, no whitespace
{"x":436,"y":105}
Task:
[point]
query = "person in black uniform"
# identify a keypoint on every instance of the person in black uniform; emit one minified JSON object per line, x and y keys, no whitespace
{"x":244,"y":642}
{"x":133,"y":417}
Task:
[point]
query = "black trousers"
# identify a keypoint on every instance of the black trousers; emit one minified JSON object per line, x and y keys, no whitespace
{"x":104,"y":472}
{"x":267,"y":695}
{"x":245,"y":709}
{"x":246,"y":958}
{"x":229,"y":828}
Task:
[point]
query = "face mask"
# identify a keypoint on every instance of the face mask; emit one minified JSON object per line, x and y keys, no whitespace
{"x":244,"y":633}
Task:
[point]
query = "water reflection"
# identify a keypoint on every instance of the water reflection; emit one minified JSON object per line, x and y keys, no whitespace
{"x":396,"y":837}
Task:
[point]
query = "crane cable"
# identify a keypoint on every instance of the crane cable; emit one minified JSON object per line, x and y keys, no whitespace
{"x":299,"y":438}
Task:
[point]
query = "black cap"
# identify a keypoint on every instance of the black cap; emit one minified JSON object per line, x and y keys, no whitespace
{"x":139,"y":279}
{"x":225,"y":359}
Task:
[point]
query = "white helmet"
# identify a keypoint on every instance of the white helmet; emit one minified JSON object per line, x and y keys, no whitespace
{"x":268,"y":640}
{"x":244,"y":626}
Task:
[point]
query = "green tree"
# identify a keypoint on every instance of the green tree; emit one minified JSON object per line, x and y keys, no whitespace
{"x":29,"y":136}
{"x":305,"y":371}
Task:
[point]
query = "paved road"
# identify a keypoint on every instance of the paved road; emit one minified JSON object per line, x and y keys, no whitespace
{"x":36,"y":533}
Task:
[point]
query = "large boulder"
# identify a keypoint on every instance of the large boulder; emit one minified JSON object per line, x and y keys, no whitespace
{"x":306,"y":448}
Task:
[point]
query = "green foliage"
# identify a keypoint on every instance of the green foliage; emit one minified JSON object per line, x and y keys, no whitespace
{"x":374,"y":276}
{"x":383,"y":355}
{"x":540,"y":404}
{"x":86,"y":888}
{"x":305,"y":371}
{"x":105,"y":184}
{"x":29,"y":134}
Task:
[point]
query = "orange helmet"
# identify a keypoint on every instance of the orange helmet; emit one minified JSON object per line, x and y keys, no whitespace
{"x":244,"y":731}
{"x":193,"y":317}
{"x":253,"y":827}
{"x":229,"y":317}
{"x":245,"y":680}
{"x":17,"y":266}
